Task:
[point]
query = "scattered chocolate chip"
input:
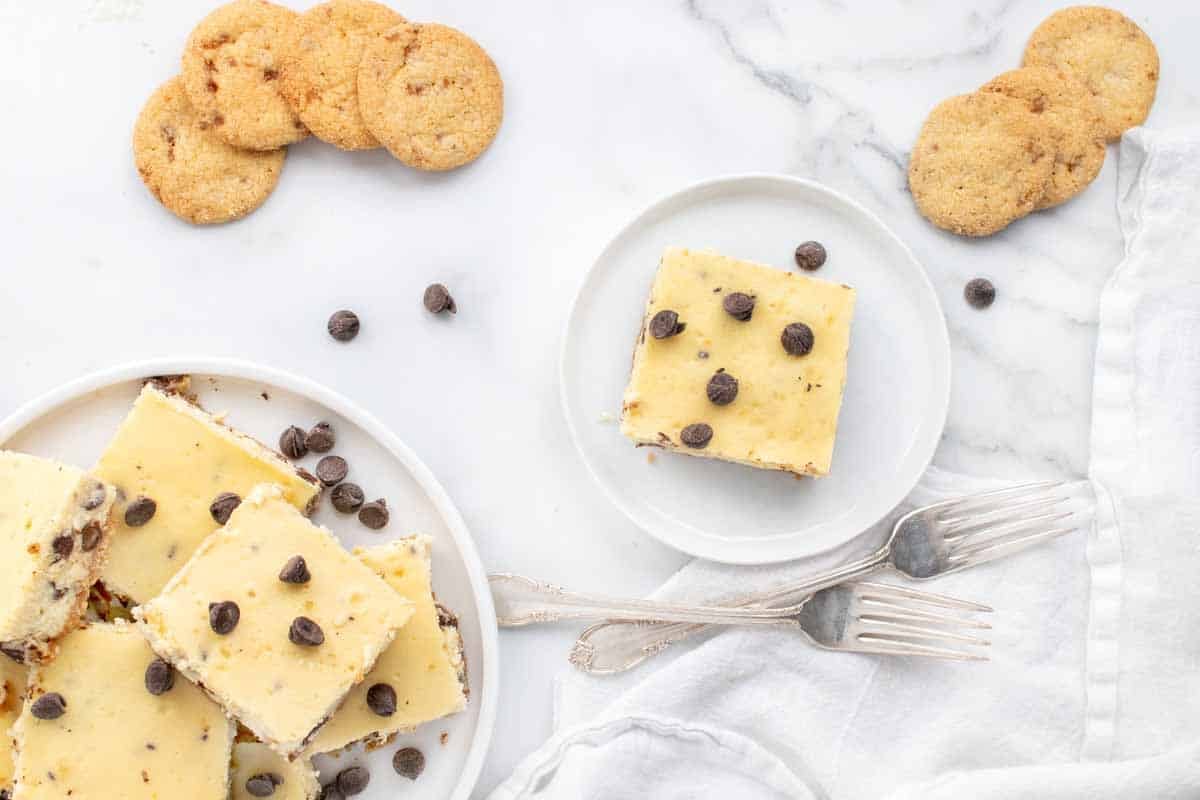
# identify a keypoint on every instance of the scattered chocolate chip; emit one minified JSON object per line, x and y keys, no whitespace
{"x":13,"y":651}
{"x":140,"y":511}
{"x":90,"y":536}
{"x":409,"y":762}
{"x":320,"y":439}
{"x":291,"y":443}
{"x":347,"y":497}
{"x":160,"y":677}
{"x":64,"y":545}
{"x":343,"y":325}
{"x":437,"y":299}
{"x":980,"y":292}
{"x":738,"y":305}
{"x":306,"y":633}
{"x":374,"y":514}
{"x":263,"y":784}
{"x":697,"y":435}
{"x":95,"y":498}
{"x":331,"y":470}
{"x":223,"y":617}
{"x":666,"y":324}
{"x":722,"y":388}
{"x":381,"y":698}
{"x":797,"y":339}
{"x":810,"y":256}
{"x":223,"y":506}
{"x":49,"y":706}
{"x":295,"y":571}
{"x":353,"y":780}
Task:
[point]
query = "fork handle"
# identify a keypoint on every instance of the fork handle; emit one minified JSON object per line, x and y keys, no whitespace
{"x":523,"y":601}
{"x":615,"y":646}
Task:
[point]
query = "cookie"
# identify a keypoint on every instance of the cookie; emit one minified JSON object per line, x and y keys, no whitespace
{"x":1105,"y":51}
{"x":981,"y":161}
{"x":1075,"y":125}
{"x":231,"y":70}
{"x":190,"y":169}
{"x":320,"y":69}
{"x":430,"y":95}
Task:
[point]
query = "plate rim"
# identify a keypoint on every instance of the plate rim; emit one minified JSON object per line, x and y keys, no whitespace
{"x":95,"y":381}
{"x":727,"y":553}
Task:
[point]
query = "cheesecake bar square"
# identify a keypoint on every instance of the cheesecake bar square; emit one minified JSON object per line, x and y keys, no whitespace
{"x":91,"y":729}
{"x":13,"y":678}
{"x":255,"y":766}
{"x":421,"y":676}
{"x":274,"y":619}
{"x":54,"y":537}
{"x":172,"y":460}
{"x":740,"y":362}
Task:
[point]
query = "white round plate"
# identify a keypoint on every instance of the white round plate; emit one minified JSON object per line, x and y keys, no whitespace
{"x":897,"y":389}
{"x":74,"y":423}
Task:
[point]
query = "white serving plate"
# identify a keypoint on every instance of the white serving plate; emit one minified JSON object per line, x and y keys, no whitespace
{"x":74,"y":422}
{"x":897,"y":392}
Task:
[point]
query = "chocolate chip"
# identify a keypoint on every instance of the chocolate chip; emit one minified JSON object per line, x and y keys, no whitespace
{"x":343,"y":325}
{"x":140,"y":511}
{"x":263,"y":784}
{"x":738,"y":305}
{"x":374,"y":514}
{"x":64,"y":545}
{"x":437,"y":299}
{"x":306,"y":633}
{"x":381,"y":698}
{"x":331,"y":470}
{"x":797,"y":339}
{"x":291,"y":443}
{"x":223,"y":506}
{"x":223,"y":617}
{"x":980,"y":292}
{"x":697,"y":435}
{"x":666,"y":324}
{"x":295,"y":571}
{"x":722,"y":388}
{"x":353,"y":780}
{"x":13,"y":651}
{"x":320,"y":439}
{"x":4,"y":795}
{"x":95,"y":497}
{"x":347,"y":497}
{"x":49,"y":706}
{"x":160,"y":677}
{"x":810,"y":256}
{"x":409,"y":762}
{"x":90,"y":536}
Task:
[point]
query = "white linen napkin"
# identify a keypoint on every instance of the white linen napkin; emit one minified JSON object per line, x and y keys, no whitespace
{"x":1094,"y":686}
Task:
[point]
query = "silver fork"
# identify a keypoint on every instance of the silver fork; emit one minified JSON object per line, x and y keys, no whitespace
{"x":859,"y":617}
{"x":926,"y":543}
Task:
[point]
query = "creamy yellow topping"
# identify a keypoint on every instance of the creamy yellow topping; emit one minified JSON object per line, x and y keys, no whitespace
{"x":423,"y":665}
{"x":175,"y":454}
{"x":116,"y":741}
{"x":280,"y":690}
{"x":786,"y":410}
{"x":12,"y":691}
{"x":250,"y":759}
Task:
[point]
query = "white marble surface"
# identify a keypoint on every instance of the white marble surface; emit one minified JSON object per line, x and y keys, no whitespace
{"x":608,"y":106}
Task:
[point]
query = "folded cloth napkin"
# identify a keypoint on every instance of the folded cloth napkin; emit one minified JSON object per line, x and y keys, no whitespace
{"x":1093,"y":690}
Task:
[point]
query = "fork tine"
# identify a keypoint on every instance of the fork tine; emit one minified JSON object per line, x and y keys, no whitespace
{"x":978,"y":503}
{"x":875,"y":608}
{"x":887,"y":646}
{"x":993,"y":549}
{"x":887,"y":591}
{"x":964,"y":523}
{"x":992,"y":533}
{"x":902,"y":625}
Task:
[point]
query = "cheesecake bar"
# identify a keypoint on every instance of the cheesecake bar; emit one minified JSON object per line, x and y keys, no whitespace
{"x":256,"y":766}
{"x":740,"y":362}
{"x":93,"y":729}
{"x":54,"y":537}
{"x":274,"y":619}
{"x":12,"y":692}
{"x":421,"y":676}
{"x":172,"y":460}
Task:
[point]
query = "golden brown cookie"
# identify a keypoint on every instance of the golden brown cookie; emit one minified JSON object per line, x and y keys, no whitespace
{"x":982,"y":160}
{"x":431,"y":95}
{"x":320,"y":70}
{"x":1108,"y":53}
{"x":1075,"y":125}
{"x":231,"y":70}
{"x":192,"y":171}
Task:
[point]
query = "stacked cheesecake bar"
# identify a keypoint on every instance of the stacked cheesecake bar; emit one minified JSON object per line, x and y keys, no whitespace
{"x":217,"y":602}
